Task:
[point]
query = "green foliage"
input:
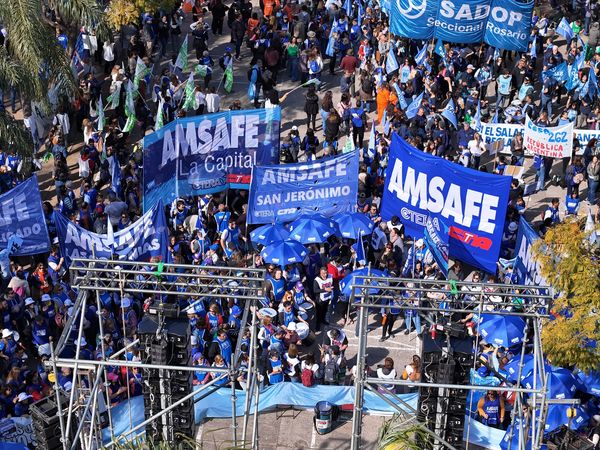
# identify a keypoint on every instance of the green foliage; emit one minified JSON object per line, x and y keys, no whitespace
{"x":397,"y":434}
{"x":571,"y":265}
{"x":128,"y":12}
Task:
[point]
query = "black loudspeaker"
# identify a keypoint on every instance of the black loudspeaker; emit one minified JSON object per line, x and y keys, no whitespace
{"x":46,"y":425}
{"x":166,"y":341}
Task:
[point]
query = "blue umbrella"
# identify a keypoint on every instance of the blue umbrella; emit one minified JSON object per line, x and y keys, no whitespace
{"x":269,"y":233}
{"x":561,"y":382}
{"x":558,"y":416}
{"x":284,"y":252}
{"x":590,"y":381}
{"x":357,"y":278}
{"x":308,"y":230}
{"x":499,"y":330}
{"x":514,"y":428}
{"x":512,"y":367}
{"x":354,"y":225}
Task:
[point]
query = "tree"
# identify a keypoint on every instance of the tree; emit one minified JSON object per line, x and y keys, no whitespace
{"x":128,"y":12}
{"x":397,"y":434}
{"x":33,"y":63}
{"x":570,"y":263}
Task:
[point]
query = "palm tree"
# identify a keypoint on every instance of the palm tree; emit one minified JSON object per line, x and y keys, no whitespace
{"x":33,"y":62}
{"x":397,"y":433}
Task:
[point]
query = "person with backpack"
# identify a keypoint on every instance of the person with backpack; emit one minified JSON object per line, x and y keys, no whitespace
{"x":359,"y":119}
{"x":334,"y":366}
{"x":309,"y":371}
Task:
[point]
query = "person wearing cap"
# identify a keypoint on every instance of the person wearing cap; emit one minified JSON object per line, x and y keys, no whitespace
{"x":31,"y":310}
{"x":234,"y":323}
{"x":84,"y":350}
{"x":21,"y":404}
{"x":302,"y":301}
{"x":115,"y":390}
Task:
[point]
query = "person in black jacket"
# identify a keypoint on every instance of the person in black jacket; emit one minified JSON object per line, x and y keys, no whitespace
{"x":238,"y":30}
{"x":311,"y":106}
{"x":218,"y":10}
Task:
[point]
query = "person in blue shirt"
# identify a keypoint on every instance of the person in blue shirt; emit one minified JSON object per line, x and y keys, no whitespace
{"x":572,"y":204}
{"x":275,"y":368}
{"x":222,"y":217}
{"x":221,"y":345}
{"x":491,"y":409}
{"x":552,"y":213}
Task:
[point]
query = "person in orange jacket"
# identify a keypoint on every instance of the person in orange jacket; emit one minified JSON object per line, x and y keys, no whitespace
{"x":383,"y":99}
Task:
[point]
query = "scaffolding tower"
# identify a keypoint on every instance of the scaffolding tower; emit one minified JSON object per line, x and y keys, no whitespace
{"x":426,"y":297}
{"x":155,"y":282}
{"x":90,"y":278}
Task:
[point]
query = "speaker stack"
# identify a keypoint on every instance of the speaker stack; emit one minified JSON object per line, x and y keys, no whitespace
{"x":165,"y":340}
{"x":46,"y":424}
{"x":442,"y":410}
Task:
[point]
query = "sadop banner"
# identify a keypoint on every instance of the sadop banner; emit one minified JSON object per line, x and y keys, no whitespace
{"x":144,"y":239}
{"x":472,"y":203}
{"x":526,"y":269}
{"x":210,"y":153}
{"x":504,"y":24}
{"x":436,"y":237}
{"x":283,"y":193}
{"x":21,"y":214}
{"x":553,"y":142}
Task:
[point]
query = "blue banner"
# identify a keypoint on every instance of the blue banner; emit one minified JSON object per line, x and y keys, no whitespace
{"x":210,"y":153}
{"x":145,"y":239}
{"x":509,"y":25}
{"x":473,"y":204}
{"x":526,"y":269}
{"x":22,"y":214}
{"x":283,"y":193}
{"x":436,"y":237}
{"x":504,"y":24}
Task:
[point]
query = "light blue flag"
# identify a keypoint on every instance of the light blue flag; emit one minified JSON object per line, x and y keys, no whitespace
{"x":413,"y":108}
{"x":449,"y":113}
{"x":440,"y":50}
{"x":371,"y":147}
{"x":496,"y":53}
{"x":361,"y":12}
{"x":401,"y":98}
{"x":391,"y":63}
{"x":559,"y":73}
{"x":565,"y":30}
{"x":330,"y":50}
{"x":478,"y":116}
{"x":533,"y":49}
{"x":580,"y":60}
{"x":386,"y":126}
{"x":495,"y":118}
{"x":348,"y":7}
{"x":421,"y":56}
{"x":593,"y":84}
{"x":384,"y":117}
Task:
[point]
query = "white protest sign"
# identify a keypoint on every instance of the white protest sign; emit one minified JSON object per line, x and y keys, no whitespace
{"x":553,"y":142}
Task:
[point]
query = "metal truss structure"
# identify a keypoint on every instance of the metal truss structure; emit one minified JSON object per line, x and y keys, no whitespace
{"x":426,"y":297}
{"x":159,"y":282}
{"x":155,"y":282}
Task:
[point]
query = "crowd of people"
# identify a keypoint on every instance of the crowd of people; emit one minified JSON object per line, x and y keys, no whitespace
{"x":345,"y":52}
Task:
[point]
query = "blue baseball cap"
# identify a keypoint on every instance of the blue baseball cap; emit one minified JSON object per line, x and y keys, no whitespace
{"x":236,"y":310}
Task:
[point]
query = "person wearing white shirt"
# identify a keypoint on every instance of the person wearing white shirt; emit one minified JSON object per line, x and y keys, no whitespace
{"x":213,"y":101}
{"x":476,"y":148}
{"x":200,"y":101}
{"x":387,"y":372}
{"x":108,"y":54}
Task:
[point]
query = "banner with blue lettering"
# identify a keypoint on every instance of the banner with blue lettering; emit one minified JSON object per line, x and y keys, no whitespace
{"x":526,"y":269}
{"x":283,"y":193}
{"x":210,"y":153}
{"x":504,"y":24}
{"x":147,"y":238}
{"x":473,"y":204}
{"x":436,"y":237}
{"x":22,"y":214}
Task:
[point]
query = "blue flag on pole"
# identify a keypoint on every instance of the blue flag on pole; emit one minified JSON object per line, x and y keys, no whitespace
{"x":533,"y":49}
{"x":436,"y":236}
{"x":348,"y":7}
{"x":495,"y":118}
{"x":592,"y":84}
{"x":565,"y":30}
{"x":440,"y":50}
{"x":421,"y":56}
{"x":371,"y":146}
{"x":478,"y":116}
{"x":449,"y":113}
{"x":413,"y":108}
{"x":391,"y":63}
{"x":401,"y":97}
{"x":559,"y":73}
{"x":330,"y":50}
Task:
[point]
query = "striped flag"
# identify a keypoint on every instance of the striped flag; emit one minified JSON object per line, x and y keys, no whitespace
{"x":115,"y":98}
{"x":449,"y":113}
{"x":160,"y":118}
{"x":182,"y":57}
{"x":421,"y":56}
{"x":391,"y":63}
{"x":371,"y":146}
{"x":190,"y":95}
{"x":101,"y":119}
{"x":565,"y":30}
{"x":140,"y":72}
{"x":129,"y":108}
{"x":202,"y":70}
{"x":229,"y":76}
{"x":413,"y":108}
